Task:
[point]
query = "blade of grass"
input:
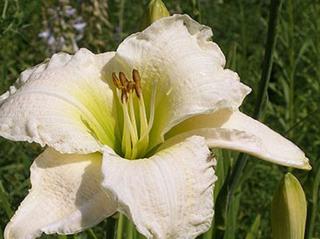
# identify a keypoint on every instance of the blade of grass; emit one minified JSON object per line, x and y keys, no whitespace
{"x":4,"y":199}
{"x":92,"y":234}
{"x":4,"y":10}
{"x":254,"y":230}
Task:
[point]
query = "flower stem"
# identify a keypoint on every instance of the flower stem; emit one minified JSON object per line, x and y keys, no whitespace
{"x":120,"y":226}
{"x":263,"y":85}
{"x":313,"y":208}
{"x":235,"y":178}
{"x":92,"y":234}
{"x":129,"y":230}
{"x":268,"y":57}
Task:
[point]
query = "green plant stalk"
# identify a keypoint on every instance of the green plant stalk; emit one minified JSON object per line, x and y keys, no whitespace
{"x":313,"y":208}
{"x":120,"y":225}
{"x":196,"y":10}
{"x":254,"y":230}
{"x":291,"y":63}
{"x":129,"y":229}
{"x":274,"y":11}
{"x":92,"y":234}
{"x":268,"y":57}
{"x":120,"y":18}
{"x":208,"y":234}
{"x":5,"y":7}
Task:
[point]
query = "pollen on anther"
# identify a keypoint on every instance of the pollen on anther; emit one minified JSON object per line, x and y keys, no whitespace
{"x":123,"y":79}
{"x":116,"y":81}
{"x":126,"y":86}
{"x":137,"y":82}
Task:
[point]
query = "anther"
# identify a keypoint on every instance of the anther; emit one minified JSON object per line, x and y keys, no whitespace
{"x":137,"y":82}
{"x":116,"y":81}
{"x":123,"y":79}
{"x":130,"y":86}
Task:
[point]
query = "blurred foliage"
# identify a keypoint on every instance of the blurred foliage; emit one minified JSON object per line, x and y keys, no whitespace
{"x":31,"y":31}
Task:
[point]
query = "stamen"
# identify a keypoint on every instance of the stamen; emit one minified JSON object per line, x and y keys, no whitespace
{"x":124,"y":96}
{"x":137,"y":82}
{"x":123,"y":79}
{"x":134,"y":144}
{"x":116,"y":81}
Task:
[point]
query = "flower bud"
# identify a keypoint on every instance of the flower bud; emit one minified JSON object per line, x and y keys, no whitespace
{"x":156,"y":10}
{"x":289,"y":210}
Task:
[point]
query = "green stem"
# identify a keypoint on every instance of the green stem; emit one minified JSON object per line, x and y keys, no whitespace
{"x":120,"y":227}
{"x":196,"y":10}
{"x":92,"y":234}
{"x":268,"y":58}
{"x":313,"y":209}
{"x":129,"y":230}
{"x":120,"y":18}
{"x":5,"y":7}
{"x":263,"y":86}
{"x":291,"y":62}
{"x":239,"y":168}
{"x":208,"y":234}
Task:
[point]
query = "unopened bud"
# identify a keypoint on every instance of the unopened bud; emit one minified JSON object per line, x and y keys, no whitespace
{"x":156,"y":10}
{"x":289,"y":210}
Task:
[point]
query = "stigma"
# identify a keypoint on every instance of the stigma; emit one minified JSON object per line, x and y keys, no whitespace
{"x":136,"y":124}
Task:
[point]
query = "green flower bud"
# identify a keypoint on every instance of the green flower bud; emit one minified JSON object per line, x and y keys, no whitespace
{"x":156,"y":10}
{"x":289,"y":210}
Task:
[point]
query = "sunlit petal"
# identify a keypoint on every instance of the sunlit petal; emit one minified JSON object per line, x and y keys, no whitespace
{"x":237,"y":131}
{"x":63,"y":103}
{"x":169,"y":195}
{"x":66,"y":197}
{"x":178,"y":61}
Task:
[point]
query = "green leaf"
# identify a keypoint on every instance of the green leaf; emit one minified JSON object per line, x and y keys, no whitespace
{"x":254,"y":230}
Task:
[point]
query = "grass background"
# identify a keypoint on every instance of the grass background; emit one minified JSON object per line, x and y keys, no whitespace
{"x":239,"y":28}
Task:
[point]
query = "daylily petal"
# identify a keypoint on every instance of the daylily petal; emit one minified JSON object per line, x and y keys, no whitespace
{"x":66,"y":197}
{"x":177,"y":60}
{"x":237,"y":131}
{"x":63,"y":103}
{"x":169,"y":195}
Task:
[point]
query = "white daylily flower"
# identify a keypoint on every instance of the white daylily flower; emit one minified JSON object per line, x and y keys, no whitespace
{"x":163,"y":96}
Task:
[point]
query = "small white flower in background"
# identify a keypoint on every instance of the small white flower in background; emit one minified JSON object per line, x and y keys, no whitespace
{"x":162,"y":100}
{"x":79,"y":25}
{"x":44,"y":34}
{"x":63,"y":28}
{"x":70,"y":11}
